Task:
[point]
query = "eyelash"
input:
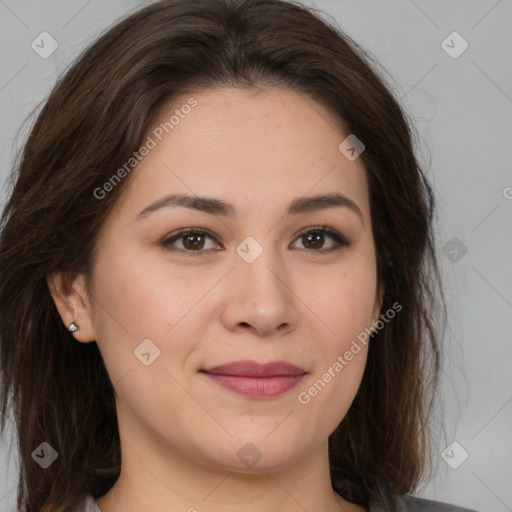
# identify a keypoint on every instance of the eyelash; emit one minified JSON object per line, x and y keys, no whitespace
{"x":340,"y":240}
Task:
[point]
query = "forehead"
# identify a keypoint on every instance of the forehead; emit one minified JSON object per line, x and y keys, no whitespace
{"x":247,"y":147}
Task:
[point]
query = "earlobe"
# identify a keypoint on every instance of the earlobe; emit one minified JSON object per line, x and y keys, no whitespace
{"x":72,"y":302}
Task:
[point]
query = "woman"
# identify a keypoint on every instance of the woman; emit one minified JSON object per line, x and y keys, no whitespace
{"x":217,"y":276}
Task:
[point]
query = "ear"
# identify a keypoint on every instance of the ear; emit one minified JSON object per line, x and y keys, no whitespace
{"x":72,"y":302}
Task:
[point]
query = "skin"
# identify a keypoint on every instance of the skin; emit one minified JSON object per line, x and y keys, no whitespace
{"x":180,"y":432}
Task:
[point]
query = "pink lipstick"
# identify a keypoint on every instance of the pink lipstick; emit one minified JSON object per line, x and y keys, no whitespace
{"x":256,"y":380}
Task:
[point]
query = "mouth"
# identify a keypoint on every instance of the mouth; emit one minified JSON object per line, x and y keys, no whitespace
{"x":256,"y":380}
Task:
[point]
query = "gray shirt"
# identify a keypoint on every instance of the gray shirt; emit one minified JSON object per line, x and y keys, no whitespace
{"x":407,"y":504}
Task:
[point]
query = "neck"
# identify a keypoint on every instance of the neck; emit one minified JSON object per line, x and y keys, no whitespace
{"x":166,"y":482}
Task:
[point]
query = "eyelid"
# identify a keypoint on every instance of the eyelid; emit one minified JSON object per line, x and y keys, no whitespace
{"x":339,"y":239}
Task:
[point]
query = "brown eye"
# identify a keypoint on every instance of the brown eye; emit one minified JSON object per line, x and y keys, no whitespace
{"x":195,"y":240}
{"x":192,"y":240}
{"x":313,"y":239}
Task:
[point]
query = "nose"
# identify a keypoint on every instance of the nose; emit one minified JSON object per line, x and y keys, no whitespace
{"x":259,"y":296}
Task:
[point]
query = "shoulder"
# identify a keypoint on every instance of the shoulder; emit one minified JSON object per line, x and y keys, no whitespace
{"x":412,"y":504}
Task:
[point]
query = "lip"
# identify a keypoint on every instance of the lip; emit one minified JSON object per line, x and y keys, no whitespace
{"x":254,"y":369}
{"x":256,"y":380}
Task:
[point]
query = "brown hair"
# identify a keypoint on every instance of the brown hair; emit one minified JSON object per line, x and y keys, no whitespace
{"x":92,"y":122}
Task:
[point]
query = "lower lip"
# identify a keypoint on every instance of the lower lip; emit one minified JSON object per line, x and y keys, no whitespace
{"x":257,"y":387}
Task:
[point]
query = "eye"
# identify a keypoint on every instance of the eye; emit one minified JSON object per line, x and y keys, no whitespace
{"x":313,"y":239}
{"x":193,"y":240}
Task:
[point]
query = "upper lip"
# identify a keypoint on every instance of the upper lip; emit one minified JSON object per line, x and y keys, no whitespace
{"x":254,"y":369}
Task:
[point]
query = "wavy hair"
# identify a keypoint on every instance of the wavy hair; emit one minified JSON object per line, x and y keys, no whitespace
{"x":92,"y":122}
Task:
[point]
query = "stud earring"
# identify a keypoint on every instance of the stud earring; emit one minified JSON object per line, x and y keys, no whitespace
{"x":73,"y":327}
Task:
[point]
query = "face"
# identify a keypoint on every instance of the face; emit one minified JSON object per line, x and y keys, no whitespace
{"x":232,"y":343}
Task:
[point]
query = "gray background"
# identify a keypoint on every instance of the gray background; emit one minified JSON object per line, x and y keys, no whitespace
{"x":462,"y":110}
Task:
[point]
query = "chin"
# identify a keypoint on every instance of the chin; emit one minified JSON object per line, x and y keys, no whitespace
{"x":256,"y":453}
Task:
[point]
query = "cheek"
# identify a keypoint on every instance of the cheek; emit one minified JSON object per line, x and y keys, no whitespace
{"x":343,"y":312}
{"x":137,"y":302}
{"x":331,"y":388}
{"x":132,"y":297}
{"x":344,"y":303}
{"x":340,"y":358}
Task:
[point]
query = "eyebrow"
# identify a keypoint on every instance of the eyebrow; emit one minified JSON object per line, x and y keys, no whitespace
{"x":218,"y":207}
